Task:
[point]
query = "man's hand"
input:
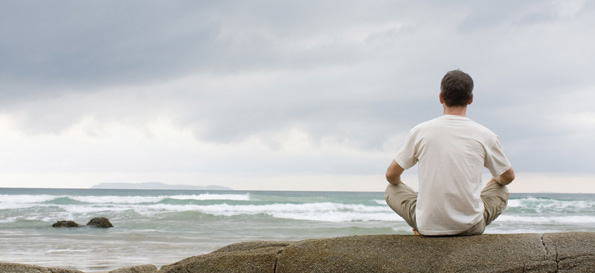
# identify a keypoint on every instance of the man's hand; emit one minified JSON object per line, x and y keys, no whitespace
{"x":393,"y":174}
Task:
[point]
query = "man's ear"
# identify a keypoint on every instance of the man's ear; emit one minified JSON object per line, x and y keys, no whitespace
{"x":470,"y":100}
{"x":441,"y":98}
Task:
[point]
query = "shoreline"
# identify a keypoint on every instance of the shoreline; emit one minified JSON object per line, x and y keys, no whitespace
{"x":526,"y":252}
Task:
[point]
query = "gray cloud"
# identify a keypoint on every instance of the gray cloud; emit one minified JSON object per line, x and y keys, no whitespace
{"x":349,"y":70}
{"x":98,"y":43}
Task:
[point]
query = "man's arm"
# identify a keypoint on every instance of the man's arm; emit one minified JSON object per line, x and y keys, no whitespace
{"x":505,"y":178}
{"x":393,"y":174}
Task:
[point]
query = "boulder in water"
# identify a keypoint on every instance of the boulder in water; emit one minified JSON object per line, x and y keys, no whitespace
{"x":65,"y":223}
{"x":100,"y":222}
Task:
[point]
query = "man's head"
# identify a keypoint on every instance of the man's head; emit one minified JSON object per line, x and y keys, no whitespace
{"x":456,"y":88}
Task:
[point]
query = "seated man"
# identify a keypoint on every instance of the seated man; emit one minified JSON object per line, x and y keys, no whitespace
{"x":452,"y":151}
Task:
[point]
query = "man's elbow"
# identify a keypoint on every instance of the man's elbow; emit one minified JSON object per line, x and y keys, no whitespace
{"x":508,"y":176}
{"x":392,"y":177}
{"x":393,"y":173}
{"x":389,"y":176}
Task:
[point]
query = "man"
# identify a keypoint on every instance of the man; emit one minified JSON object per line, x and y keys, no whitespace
{"x":452,"y":151}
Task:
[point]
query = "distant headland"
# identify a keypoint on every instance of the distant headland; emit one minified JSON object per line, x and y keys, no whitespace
{"x":156,"y":186}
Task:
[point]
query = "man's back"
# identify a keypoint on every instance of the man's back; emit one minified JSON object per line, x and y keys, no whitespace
{"x":452,"y":152}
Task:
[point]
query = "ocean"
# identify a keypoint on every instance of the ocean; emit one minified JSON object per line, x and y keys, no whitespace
{"x":164,"y":226}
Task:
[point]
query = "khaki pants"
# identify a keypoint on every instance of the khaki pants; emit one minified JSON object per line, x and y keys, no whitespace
{"x":402,"y":199}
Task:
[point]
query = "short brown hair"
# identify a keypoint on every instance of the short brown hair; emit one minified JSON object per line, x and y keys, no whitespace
{"x":456,"y":88}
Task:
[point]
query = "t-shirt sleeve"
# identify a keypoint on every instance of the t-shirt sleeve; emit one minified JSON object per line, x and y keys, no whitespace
{"x":407,"y":155}
{"x":496,"y":160}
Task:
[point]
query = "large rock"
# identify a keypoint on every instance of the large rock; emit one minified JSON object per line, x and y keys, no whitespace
{"x":147,"y":268}
{"x":24,"y":268}
{"x":552,"y":252}
{"x":241,"y":258}
{"x":65,"y":223}
{"x":100,"y":222}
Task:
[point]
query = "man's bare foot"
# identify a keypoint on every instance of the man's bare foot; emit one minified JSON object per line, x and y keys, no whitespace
{"x":415,"y":232}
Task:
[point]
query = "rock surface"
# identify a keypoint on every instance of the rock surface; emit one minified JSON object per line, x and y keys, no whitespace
{"x":65,"y":223}
{"x":240,"y":258}
{"x":100,"y":222}
{"x":147,"y":268}
{"x":23,"y":268}
{"x":550,"y":252}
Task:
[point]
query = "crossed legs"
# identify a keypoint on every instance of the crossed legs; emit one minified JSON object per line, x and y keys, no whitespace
{"x":402,"y":199}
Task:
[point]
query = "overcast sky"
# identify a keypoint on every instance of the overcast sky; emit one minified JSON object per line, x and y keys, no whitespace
{"x":286,"y":95}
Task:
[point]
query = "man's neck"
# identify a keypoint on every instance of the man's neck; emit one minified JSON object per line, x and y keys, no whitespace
{"x":455,"y":111}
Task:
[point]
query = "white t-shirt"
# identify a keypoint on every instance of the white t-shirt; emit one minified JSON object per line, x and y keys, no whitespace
{"x":452,"y":152}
